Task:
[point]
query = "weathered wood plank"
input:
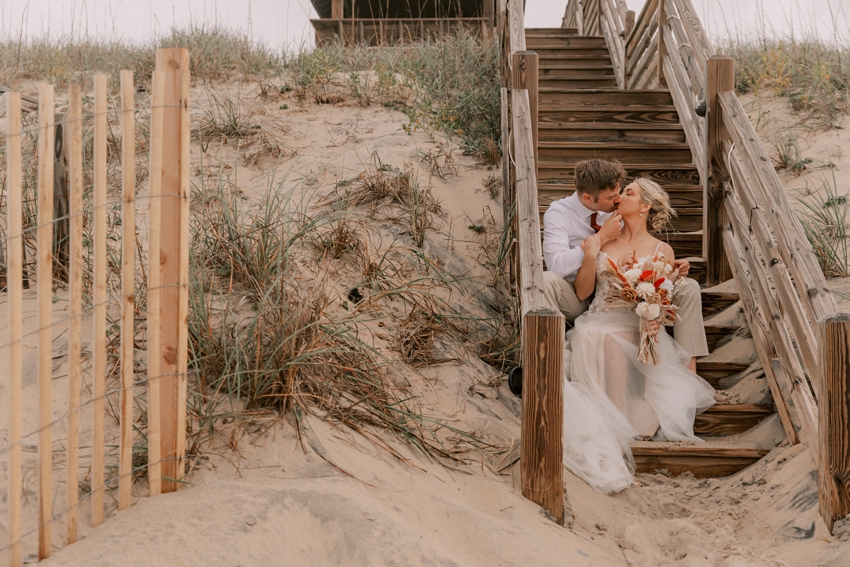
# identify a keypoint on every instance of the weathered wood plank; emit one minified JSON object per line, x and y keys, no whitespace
{"x":663,"y":174}
{"x":14,"y":280}
{"x":791,"y":238}
{"x":788,"y":299}
{"x":703,"y":462}
{"x":697,"y":37}
{"x":46,"y":140}
{"x":834,"y":423}
{"x":555,"y":152}
{"x":729,"y":419}
{"x":720,"y":78}
{"x":761,"y":332}
{"x":75,"y":304}
{"x":541,"y":463}
{"x":567,"y":132}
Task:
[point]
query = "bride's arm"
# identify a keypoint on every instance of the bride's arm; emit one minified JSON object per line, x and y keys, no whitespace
{"x":585,"y":281}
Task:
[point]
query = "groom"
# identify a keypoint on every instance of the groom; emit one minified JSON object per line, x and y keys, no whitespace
{"x":591,"y":210}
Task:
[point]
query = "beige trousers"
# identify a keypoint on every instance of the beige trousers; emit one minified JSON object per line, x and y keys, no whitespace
{"x":689,"y":329}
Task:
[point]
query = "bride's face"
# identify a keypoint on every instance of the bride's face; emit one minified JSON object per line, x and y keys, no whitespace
{"x":630,"y":201}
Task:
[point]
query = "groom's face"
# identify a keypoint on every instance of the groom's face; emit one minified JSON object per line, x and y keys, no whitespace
{"x":608,"y":200}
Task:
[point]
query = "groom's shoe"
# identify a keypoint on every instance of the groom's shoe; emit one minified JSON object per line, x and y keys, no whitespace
{"x":515,"y":381}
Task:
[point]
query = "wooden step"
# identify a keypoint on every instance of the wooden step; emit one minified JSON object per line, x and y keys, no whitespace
{"x":716,"y":301}
{"x":595,"y":51}
{"x":550,"y":32}
{"x":570,"y":71}
{"x":685,"y":196}
{"x":578,"y":81}
{"x":606,"y":132}
{"x":572,"y":56}
{"x":604,"y":99}
{"x":635,"y":153}
{"x":613,"y":118}
{"x":662,"y":173}
{"x":730,"y":419}
{"x":713,"y":372}
{"x":573,"y":64}
{"x":576,"y":41}
{"x":685,"y":245}
{"x":702,"y":460}
{"x":715,"y":333}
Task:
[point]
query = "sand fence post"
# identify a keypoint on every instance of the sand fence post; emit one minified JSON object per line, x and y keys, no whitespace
{"x":173,"y":262}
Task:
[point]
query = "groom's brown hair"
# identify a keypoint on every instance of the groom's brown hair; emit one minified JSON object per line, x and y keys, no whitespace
{"x":594,"y":176}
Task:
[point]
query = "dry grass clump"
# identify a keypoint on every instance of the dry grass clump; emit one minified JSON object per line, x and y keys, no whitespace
{"x":264,"y":328}
{"x":391,"y":194}
{"x":812,"y":74}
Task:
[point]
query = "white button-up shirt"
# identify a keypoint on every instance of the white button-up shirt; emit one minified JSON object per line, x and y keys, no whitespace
{"x":566,"y":224}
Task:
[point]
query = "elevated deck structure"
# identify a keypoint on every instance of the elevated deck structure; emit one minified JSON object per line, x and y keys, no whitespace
{"x":372,"y":22}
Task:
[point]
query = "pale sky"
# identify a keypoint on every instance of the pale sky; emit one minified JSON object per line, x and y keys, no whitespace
{"x":285,"y":23}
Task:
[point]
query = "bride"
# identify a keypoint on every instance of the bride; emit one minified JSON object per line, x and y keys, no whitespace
{"x":610,"y":397}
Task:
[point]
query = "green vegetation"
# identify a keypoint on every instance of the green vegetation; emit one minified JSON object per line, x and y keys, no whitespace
{"x":813,"y":75}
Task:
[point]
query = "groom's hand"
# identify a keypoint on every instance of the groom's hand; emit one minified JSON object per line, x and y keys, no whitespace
{"x":681,"y":266}
{"x":591,"y":246}
{"x":610,"y":228}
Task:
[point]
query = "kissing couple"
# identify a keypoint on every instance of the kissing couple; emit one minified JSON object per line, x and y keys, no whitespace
{"x":624,"y":377}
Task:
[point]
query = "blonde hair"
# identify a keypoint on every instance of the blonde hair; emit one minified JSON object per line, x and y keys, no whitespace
{"x":660,"y":212}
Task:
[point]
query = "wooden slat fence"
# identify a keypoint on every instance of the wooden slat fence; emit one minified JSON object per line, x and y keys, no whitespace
{"x":89,"y":424}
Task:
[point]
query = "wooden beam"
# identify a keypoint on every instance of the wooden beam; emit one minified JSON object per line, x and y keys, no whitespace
{"x":128,"y":288}
{"x":100,"y":300}
{"x":525,"y":76}
{"x":630,"y":23}
{"x":541,"y":463}
{"x":154,"y":288}
{"x":834,"y":419}
{"x":761,"y":332}
{"x":336,"y":10}
{"x":794,"y":247}
{"x":542,"y":336}
{"x":46,"y":133}
{"x":75,"y":300}
{"x":662,"y":45}
{"x":516,"y":23}
{"x":14,"y":255}
{"x":172,"y":62}
{"x":720,"y":77}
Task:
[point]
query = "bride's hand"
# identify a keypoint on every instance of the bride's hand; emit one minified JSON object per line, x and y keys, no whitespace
{"x":652,"y":328}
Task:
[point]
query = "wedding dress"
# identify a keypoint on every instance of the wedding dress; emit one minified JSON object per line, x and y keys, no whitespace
{"x":611,"y":398}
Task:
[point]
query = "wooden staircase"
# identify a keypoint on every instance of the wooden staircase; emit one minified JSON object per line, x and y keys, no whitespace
{"x":581,"y":115}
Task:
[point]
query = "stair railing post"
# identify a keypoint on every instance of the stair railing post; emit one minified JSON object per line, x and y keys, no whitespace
{"x":719,"y":77}
{"x":524,"y":76}
{"x":834,"y":419}
{"x":662,"y":46}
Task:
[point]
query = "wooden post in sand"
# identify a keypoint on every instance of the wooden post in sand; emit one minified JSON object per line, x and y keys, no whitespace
{"x":174,"y":265}
{"x":834,"y":419}
{"x":719,"y":77}
{"x":541,"y":465}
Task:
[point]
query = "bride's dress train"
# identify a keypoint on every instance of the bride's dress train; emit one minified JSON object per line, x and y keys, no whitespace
{"x":611,"y":398}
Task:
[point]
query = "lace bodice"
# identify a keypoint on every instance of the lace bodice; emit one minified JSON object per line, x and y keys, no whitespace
{"x":604,"y":287}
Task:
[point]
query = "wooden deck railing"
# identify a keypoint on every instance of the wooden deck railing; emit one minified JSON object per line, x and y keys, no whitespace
{"x":750,"y":232}
{"x":541,"y":463}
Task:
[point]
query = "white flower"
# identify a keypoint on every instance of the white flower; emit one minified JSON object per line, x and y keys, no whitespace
{"x":633,"y":274}
{"x":645,"y":289}
{"x":648,"y":311}
{"x":666,"y":284}
{"x":668,"y":268}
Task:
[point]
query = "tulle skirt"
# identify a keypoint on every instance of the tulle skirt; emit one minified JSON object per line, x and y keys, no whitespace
{"x":611,"y":398}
